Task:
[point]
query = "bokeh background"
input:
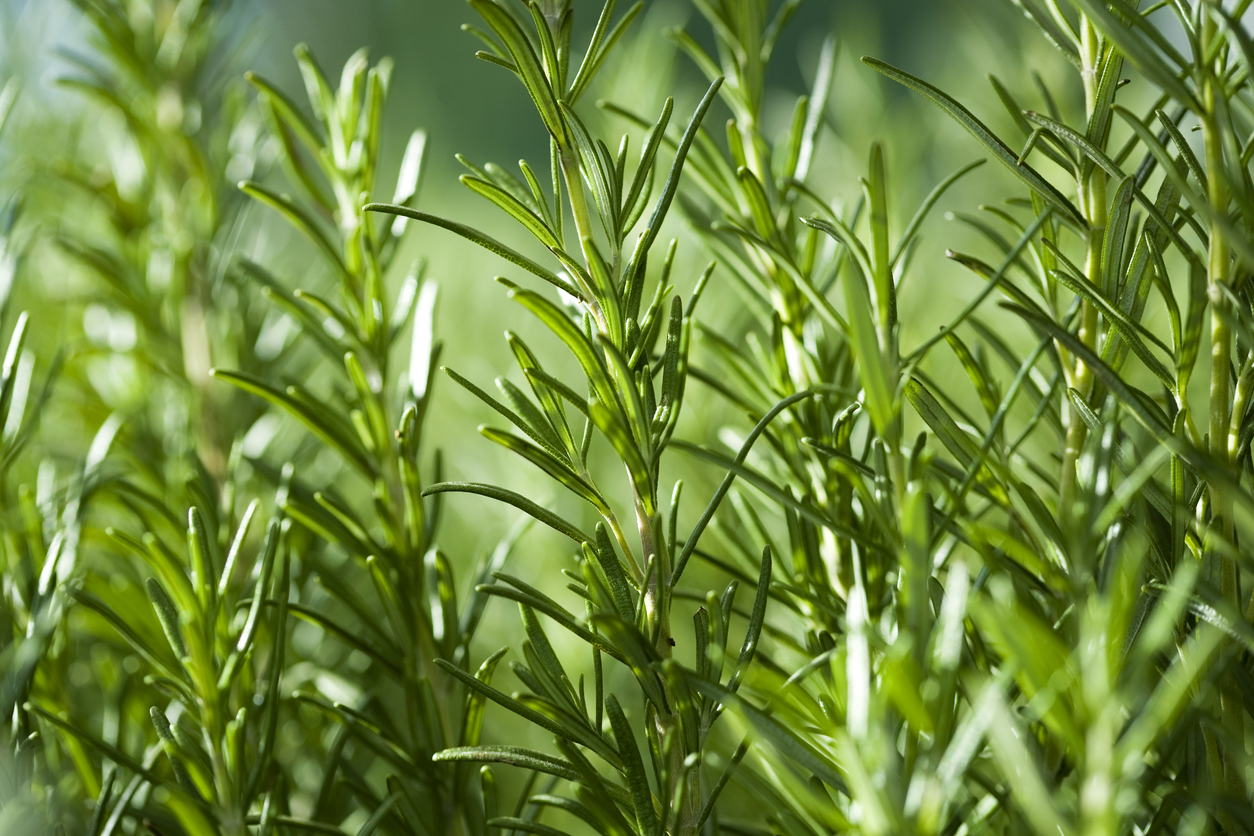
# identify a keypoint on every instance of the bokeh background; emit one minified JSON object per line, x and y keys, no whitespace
{"x":472,"y":108}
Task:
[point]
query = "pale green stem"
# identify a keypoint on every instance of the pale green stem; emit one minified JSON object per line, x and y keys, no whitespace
{"x":658,"y":619}
{"x":1097,"y":804}
{"x":1093,"y":198}
{"x":578,"y":201}
{"x":652,"y":541}
{"x":1231,"y":706}
{"x":621,"y":536}
{"x":583,"y":222}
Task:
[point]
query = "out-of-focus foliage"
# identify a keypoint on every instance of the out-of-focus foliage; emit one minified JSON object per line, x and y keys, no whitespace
{"x":991,"y":578}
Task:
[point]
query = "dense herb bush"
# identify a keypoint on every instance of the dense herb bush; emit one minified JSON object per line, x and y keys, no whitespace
{"x":992,"y":581}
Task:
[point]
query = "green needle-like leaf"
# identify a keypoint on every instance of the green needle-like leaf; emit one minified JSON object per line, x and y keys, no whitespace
{"x":299,"y":218}
{"x":527,"y":64}
{"x":1029,"y":176}
{"x":316,"y":417}
{"x":474,"y":236}
{"x":520,"y":502}
{"x":637,"y":779}
{"x":533,"y":223}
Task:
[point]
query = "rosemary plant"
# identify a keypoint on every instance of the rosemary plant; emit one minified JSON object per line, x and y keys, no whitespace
{"x":1000,"y":580}
{"x":178,"y":673}
{"x":1079,"y":662}
{"x":1119,"y":551}
{"x":634,"y":395}
{"x":824,"y":386}
{"x":170,"y":216}
{"x":396,"y":599}
{"x":27,"y":613}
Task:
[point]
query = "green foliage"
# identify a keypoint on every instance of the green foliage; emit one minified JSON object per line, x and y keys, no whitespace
{"x":994,"y":579}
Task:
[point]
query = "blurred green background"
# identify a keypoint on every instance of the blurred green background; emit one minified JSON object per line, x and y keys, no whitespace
{"x":470,"y":107}
{"x":473,"y":108}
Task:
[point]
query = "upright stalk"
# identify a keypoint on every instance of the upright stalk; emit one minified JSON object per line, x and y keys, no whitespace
{"x":654,"y":552}
{"x":414,"y":618}
{"x":1220,"y":403}
{"x":1092,"y":188}
{"x":635,"y":392}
